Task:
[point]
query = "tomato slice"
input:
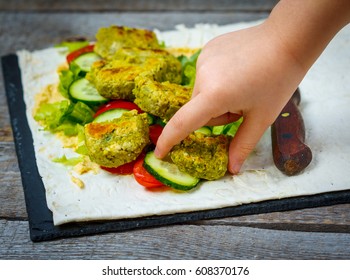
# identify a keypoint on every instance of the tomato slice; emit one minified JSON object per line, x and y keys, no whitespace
{"x":154,"y":132}
{"x":125,"y":169}
{"x":143,"y":177}
{"x":73,"y":55}
{"x":118,"y":104}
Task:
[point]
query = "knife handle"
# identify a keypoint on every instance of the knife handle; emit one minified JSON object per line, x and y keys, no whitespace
{"x":290,"y":153}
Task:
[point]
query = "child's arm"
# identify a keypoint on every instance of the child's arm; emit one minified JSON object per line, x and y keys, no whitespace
{"x":253,"y":72}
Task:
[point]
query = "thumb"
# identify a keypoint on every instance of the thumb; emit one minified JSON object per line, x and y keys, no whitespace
{"x":243,"y":143}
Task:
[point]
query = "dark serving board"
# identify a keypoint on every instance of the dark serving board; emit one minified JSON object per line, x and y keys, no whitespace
{"x":40,"y":217}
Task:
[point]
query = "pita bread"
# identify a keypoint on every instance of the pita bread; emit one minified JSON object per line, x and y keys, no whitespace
{"x":325,"y":108}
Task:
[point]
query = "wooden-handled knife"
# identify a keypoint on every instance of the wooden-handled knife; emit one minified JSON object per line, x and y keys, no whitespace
{"x":290,"y":153}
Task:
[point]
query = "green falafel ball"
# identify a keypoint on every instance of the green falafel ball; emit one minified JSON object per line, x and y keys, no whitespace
{"x":114,"y":143}
{"x":202,"y":156}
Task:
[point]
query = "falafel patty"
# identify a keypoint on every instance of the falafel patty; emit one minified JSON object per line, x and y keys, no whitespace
{"x":202,"y":156}
{"x":119,"y":141}
{"x":162,"y":99}
{"x":110,"y":39}
{"x":115,"y":79}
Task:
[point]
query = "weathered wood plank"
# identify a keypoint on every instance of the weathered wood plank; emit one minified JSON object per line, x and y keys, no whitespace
{"x":8,"y":159}
{"x":137,"y":5}
{"x":17,"y":29}
{"x":177,"y":242}
{"x":12,"y":196}
{"x":322,"y":219}
{"x":11,"y":192}
{"x":6,"y":133}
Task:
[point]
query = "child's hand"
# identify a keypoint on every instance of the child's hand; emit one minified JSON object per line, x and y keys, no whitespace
{"x":247,"y":73}
{"x":253,"y":72}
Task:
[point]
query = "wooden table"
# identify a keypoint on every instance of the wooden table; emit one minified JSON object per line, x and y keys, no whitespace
{"x":318,"y":233}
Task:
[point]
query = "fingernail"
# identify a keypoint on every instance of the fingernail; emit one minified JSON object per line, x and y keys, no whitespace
{"x":157,"y":153}
{"x":234,"y":169}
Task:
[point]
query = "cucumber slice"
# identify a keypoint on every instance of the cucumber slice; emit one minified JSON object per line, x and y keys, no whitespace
{"x":82,"y":90}
{"x":169,"y":174}
{"x":110,"y":115}
{"x":85,"y":60}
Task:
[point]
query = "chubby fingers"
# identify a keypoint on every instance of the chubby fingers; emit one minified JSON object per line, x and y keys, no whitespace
{"x":193,"y":115}
{"x":245,"y":140}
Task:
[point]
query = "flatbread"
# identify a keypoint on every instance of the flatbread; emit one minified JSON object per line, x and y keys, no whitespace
{"x":325,"y":108}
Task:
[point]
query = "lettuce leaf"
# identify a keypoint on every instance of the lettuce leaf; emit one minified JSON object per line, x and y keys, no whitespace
{"x":68,"y":161}
{"x":227,"y":129}
{"x":188,"y":75}
{"x":52,"y":115}
{"x":64,"y":116}
{"x":72,"y":46}
{"x":67,"y":77}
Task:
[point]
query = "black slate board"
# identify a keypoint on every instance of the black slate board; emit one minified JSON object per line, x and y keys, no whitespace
{"x":40,"y":217}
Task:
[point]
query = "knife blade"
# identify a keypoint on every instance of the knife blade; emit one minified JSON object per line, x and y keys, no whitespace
{"x":291,"y":155}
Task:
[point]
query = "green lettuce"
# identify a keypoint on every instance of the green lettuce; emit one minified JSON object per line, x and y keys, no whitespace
{"x":64,"y":116}
{"x":68,"y":161}
{"x":188,"y":66}
{"x":67,"y":77}
{"x":227,"y":129}
{"x":72,"y":46}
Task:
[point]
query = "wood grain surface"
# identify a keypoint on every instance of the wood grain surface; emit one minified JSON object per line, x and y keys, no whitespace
{"x":137,"y":5}
{"x":317,"y":233}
